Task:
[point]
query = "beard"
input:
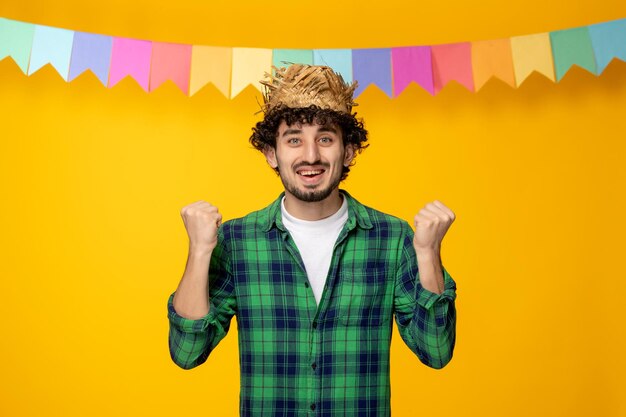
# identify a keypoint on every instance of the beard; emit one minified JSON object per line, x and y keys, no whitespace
{"x":312,"y":195}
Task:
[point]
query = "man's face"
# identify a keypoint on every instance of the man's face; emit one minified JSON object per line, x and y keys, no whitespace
{"x":310,"y":159}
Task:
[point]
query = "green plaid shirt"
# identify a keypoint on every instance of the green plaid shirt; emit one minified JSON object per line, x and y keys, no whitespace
{"x":298,"y":358}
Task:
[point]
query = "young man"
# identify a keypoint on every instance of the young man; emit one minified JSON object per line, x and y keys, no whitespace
{"x":316,"y":277}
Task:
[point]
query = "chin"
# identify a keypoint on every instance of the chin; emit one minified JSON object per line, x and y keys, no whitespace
{"x":312,"y":196}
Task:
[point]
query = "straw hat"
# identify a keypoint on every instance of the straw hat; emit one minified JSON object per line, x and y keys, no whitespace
{"x":301,"y":85}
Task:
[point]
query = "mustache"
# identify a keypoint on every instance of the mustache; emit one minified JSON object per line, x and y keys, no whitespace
{"x":305,"y":164}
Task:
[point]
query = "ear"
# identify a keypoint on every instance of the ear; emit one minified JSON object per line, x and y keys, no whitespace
{"x":270,"y":156}
{"x":348,"y":154}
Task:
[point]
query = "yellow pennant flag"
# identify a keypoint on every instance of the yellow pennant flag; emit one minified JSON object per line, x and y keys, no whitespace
{"x":532,"y":53}
{"x":249,"y":65}
{"x":210,"y":64}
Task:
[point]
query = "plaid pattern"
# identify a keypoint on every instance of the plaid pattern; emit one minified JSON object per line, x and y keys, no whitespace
{"x":299,"y":359}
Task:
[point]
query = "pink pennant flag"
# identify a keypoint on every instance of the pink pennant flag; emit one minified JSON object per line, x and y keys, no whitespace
{"x":170,"y":61}
{"x":452,"y":61}
{"x":130,"y":57}
{"x":412,"y":63}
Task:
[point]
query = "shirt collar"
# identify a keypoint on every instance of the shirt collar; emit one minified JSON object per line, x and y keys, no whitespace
{"x":357,"y":214}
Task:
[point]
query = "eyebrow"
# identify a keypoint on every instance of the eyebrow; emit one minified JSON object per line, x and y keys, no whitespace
{"x":320,"y":130}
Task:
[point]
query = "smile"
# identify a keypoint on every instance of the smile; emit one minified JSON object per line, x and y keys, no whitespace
{"x":310,"y":173}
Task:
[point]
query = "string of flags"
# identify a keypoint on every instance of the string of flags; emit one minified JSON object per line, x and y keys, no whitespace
{"x":231,"y":69}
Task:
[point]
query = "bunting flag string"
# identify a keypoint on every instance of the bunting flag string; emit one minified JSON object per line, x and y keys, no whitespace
{"x":232,"y":69}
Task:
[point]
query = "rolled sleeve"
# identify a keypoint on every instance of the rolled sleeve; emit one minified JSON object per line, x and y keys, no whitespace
{"x":186,"y":325}
{"x":427,"y":298}
{"x":426,"y":321}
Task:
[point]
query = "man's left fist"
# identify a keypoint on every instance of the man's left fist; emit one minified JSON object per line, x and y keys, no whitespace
{"x":431,"y":224}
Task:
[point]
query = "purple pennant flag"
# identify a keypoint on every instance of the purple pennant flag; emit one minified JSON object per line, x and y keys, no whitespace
{"x":372,"y":66}
{"x":412,"y":63}
{"x":91,"y":52}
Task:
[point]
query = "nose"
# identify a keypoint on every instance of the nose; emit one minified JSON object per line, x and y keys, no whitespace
{"x":311,"y":152}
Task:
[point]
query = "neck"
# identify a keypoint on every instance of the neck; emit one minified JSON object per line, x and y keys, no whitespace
{"x":312,"y":211}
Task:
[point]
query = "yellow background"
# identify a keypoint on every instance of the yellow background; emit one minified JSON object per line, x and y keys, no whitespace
{"x":92,"y":181}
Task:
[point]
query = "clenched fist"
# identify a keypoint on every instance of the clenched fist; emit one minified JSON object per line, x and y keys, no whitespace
{"x":201,"y":221}
{"x":431,"y":224}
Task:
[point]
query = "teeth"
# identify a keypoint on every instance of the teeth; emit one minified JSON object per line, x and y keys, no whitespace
{"x":310,"y":172}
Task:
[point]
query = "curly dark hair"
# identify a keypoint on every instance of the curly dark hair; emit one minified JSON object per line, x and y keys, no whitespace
{"x":352,"y":130}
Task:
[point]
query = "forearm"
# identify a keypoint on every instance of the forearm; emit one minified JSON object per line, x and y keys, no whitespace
{"x":191,"y":299}
{"x":430,"y":270}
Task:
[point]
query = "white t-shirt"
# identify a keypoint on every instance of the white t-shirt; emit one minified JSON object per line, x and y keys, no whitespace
{"x":315,"y":241}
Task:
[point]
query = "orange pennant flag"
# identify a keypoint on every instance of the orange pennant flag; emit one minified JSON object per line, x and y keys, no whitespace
{"x":492,"y":59}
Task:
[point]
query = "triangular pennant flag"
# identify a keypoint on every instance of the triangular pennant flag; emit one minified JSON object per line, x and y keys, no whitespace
{"x":130,"y":57}
{"x":16,"y":41}
{"x":91,"y":52}
{"x":372,"y":66}
{"x":412,"y":63}
{"x":248,"y":65}
{"x":452,"y":61}
{"x":170,"y":61}
{"x":608,"y":41}
{"x":532,"y":53}
{"x":51,"y":46}
{"x":572,"y":47}
{"x":211,"y":64}
{"x":340,"y":60}
{"x":492,"y":59}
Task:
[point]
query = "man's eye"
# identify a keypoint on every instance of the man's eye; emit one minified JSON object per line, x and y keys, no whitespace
{"x":293,"y":140}
{"x":326,"y":139}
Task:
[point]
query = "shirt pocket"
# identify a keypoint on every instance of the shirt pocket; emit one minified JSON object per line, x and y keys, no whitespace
{"x":363,"y":295}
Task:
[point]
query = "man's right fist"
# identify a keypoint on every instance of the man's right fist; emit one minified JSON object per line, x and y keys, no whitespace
{"x":201,"y":221}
